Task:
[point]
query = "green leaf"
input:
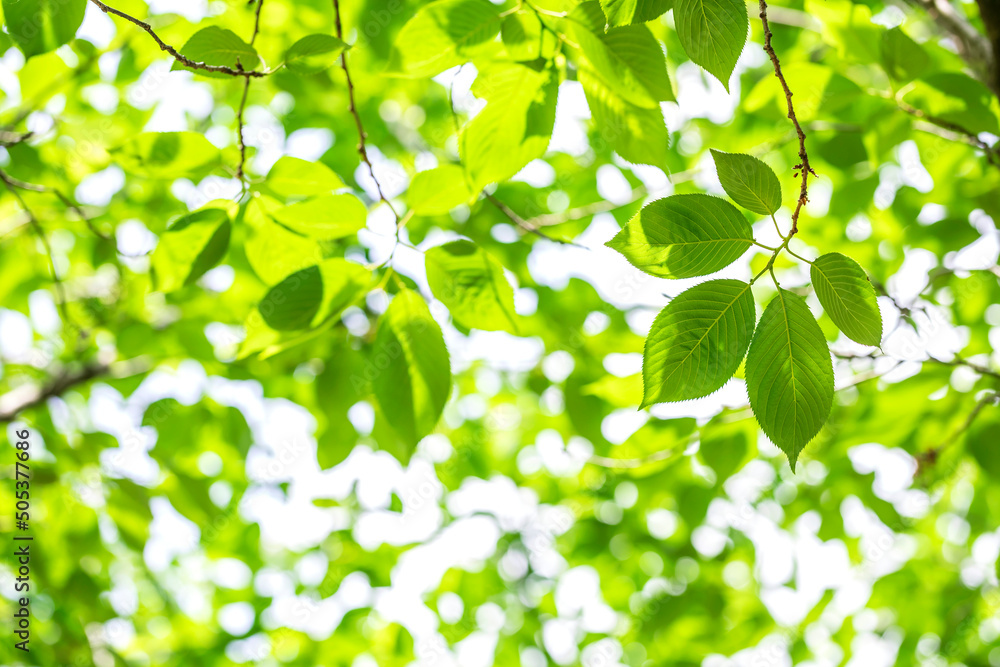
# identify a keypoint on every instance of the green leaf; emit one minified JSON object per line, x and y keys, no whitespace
{"x":413,"y":378}
{"x":190,"y":247}
{"x":697,"y":342}
{"x":727,"y":445}
{"x":437,"y":191}
{"x":683,"y":236}
{"x":472,"y":285}
{"x":324,"y":217}
{"x":217,"y":46}
{"x":982,"y":441}
{"x":748,"y":181}
{"x":167,"y":154}
{"x":848,"y":297}
{"x":713,"y":32}
{"x":310,"y":296}
{"x":789,"y":374}
{"x":40,"y":26}
{"x":902,"y":58}
{"x":443,"y":34}
{"x":516,"y":125}
{"x":638,"y":135}
{"x":628,"y":59}
{"x":313,"y":53}
{"x":293,"y":177}
{"x":625,"y":12}
{"x":524,"y":38}
{"x":274,"y":251}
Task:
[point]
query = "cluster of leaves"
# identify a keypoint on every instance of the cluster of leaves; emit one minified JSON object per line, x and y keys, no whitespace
{"x":699,"y":340}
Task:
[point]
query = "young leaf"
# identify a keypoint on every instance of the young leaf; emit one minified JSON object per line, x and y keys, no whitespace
{"x":40,"y":26}
{"x":313,"y":53}
{"x":637,"y":135}
{"x":516,"y":125}
{"x":413,"y":379}
{"x":293,"y":177}
{"x":443,"y":34}
{"x":310,"y":296}
{"x":748,"y":181}
{"x":683,"y":236}
{"x":789,"y":374}
{"x":218,"y":46}
{"x":713,"y":32}
{"x":324,"y":217}
{"x":437,"y":191}
{"x":848,"y":297}
{"x":625,"y":12}
{"x":472,"y":285}
{"x":190,"y":247}
{"x":697,"y":342}
{"x":628,"y":59}
{"x":167,"y":154}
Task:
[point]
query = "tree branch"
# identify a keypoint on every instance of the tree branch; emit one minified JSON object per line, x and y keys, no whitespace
{"x":243,"y":99}
{"x":930,"y":456}
{"x":522,"y":223}
{"x":28,"y":396}
{"x":362,"y":149}
{"x":184,"y":60}
{"x":803,"y":156}
{"x":12,"y":182}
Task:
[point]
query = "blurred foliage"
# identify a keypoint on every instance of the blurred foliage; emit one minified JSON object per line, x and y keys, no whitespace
{"x":206,"y":341}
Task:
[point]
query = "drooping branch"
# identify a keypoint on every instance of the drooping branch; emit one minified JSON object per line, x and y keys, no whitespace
{"x":803,"y":155}
{"x":957,"y":361}
{"x":177,"y":55}
{"x":362,"y":148}
{"x":961,"y":134}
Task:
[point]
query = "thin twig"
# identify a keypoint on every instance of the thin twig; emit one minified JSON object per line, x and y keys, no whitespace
{"x":17,"y":401}
{"x":602,"y":206}
{"x":522,"y":223}
{"x":12,"y":182}
{"x":930,"y":456}
{"x":968,"y":136}
{"x":957,"y":361}
{"x":184,"y":60}
{"x":803,"y":156}
{"x":40,"y":233}
{"x":362,"y":149}
{"x":243,"y":99}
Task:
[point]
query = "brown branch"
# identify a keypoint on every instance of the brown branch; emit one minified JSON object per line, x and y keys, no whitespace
{"x":524,"y":224}
{"x":179,"y":57}
{"x":803,"y":156}
{"x":968,"y":136}
{"x":243,"y":99}
{"x":12,"y":138}
{"x":989,"y":12}
{"x":28,"y":396}
{"x":362,"y":149}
